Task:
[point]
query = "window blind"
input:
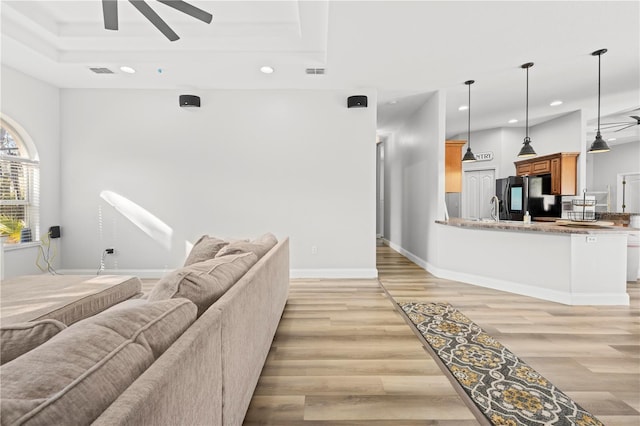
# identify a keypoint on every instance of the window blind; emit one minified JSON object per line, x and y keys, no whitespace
{"x":19,"y":198}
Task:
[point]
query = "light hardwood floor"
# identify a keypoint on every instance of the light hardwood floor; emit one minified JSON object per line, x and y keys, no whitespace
{"x":343,"y":355}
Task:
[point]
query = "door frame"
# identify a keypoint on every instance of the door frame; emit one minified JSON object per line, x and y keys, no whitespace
{"x":619,"y":188}
{"x":380,"y":147}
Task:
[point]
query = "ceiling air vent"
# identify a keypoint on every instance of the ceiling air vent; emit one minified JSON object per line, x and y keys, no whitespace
{"x":101,"y":70}
{"x":315,"y":71}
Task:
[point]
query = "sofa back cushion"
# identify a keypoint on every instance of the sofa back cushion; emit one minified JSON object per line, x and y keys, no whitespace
{"x":204,"y":282}
{"x":77,"y":374}
{"x":17,"y":339}
{"x":260,"y":246}
{"x":204,"y":249}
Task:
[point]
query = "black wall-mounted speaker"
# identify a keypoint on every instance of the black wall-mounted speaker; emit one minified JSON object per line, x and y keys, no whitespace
{"x":358,"y":101}
{"x":189,"y":101}
{"x":54,"y":232}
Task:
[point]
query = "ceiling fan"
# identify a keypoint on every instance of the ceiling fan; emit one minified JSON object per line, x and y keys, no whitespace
{"x":110,"y":12}
{"x":621,"y":125}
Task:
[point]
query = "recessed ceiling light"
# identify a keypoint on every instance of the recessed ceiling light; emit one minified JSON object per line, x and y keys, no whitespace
{"x":513,"y":120}
{"x":463,"y":107}
{"x":128,"y":70}
{"x":556,"y":103}
{"x":266,"y":69}
{"x":611,"y":139}
{"x":393,"y":102}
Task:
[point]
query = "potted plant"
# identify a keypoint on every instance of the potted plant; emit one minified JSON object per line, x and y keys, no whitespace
{"x":10,"y":228}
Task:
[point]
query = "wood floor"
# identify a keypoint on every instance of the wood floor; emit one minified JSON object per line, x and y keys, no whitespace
{"x":343,"y":355}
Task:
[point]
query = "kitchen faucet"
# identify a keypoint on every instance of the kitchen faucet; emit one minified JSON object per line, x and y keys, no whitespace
{"x":495,"y":208}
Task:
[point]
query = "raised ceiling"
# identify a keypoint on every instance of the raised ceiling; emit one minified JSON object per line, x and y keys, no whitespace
{"x":405,"y":50}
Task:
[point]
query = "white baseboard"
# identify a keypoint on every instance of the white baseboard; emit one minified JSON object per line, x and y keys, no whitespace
{"x":531,"y":291}
{"x":140,"y":273}
{"x":514,"y":287}
{"x":412,"y":257}
{"x":335,"y":273}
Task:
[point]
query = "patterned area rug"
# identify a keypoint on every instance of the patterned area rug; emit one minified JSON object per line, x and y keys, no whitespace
{"x":505,"y":389}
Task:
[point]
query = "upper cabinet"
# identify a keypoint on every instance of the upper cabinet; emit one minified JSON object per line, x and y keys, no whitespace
{"x":562,"y":167}
{"x":453,"y":165}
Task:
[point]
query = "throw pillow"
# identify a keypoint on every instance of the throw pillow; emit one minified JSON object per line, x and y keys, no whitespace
{"x":204,"y":282}
{"x":259,"y":246}
{"x":204,"y":249}
{"x":73,"y":377}
{"x":17,"y":339}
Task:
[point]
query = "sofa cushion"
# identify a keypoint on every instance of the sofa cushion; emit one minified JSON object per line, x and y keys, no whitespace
{"x":259,"y":246}
{"x":76,"y":375}
{"x":204,"y":249}
{"x":204,"y":282}
{"x":66,"y":298}
{"x":17,"y":339}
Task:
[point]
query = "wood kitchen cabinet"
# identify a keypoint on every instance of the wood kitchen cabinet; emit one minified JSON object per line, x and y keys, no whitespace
{"x":453,"y":165}
{"x":562,"y":167}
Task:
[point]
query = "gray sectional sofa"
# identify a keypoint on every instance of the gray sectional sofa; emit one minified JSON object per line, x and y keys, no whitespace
{"x":180,"y":356}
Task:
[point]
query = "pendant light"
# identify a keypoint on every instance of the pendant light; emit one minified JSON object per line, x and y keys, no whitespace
{"x":599,"y":145}
{"x":527,"y":149}
{"x":468,"y":156}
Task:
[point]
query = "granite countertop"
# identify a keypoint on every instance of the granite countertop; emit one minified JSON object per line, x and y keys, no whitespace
{"x":549,"y":227}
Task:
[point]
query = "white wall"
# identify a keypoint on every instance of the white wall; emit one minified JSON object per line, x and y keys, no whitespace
{"x":483,"y":141}
{"x":563,"y":134}
{"x":35,"y":107}
{"x":604,"y":168}
{"x":414,"y":182}
{"x":296,"y":163}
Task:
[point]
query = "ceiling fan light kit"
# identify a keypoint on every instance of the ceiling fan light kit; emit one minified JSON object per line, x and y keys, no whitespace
{"x":599,"y":145}
{"x":110,"y":14}
{"x":527,"y":150}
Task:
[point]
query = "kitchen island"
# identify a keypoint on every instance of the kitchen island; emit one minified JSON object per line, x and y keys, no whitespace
{"x":574,"y":265}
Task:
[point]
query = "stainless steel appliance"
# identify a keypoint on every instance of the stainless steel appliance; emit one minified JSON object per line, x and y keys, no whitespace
{"x":519,"y":194}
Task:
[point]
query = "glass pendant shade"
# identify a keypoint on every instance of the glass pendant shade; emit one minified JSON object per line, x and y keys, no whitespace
{"x":468,"y":156}
{"x":599,"y":145}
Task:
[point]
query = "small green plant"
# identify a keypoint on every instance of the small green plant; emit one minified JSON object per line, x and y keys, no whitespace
{"x":11,"y":228}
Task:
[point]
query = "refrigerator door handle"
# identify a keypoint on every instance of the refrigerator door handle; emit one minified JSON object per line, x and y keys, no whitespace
{"x":507,"y":201}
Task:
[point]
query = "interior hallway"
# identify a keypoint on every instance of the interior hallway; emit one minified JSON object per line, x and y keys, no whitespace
{"x":343,"y":355}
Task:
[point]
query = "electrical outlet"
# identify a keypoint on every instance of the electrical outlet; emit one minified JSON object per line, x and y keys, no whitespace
{"x":314,"y":250}
{"x":592,"y":239}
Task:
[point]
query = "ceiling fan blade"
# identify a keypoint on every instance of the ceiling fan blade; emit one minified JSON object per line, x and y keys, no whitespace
{"x":155,"y":19}
{"x":110,"y":13}
{"x":612,"y":126}
{"x":635,"y":117}
{"x":625,"y":127}
{"x":190,"y":10}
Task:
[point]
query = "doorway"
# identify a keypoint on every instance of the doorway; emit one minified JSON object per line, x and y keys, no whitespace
{"x":628,"y":193}
{"x":478,"y":188}
{"x":380,"y":189}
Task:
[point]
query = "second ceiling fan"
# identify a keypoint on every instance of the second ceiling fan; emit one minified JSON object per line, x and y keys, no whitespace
{"x":110,"y":13}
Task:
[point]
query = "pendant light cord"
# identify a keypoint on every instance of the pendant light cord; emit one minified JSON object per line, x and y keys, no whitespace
{"x":527,"y":108}
{"x":469,"y":119}
{"x":599,"y":58}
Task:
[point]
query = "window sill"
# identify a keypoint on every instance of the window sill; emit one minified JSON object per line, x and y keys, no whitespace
{"x":20,"y":246}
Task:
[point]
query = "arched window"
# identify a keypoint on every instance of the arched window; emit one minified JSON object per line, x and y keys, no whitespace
{"x":19,"y":187}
